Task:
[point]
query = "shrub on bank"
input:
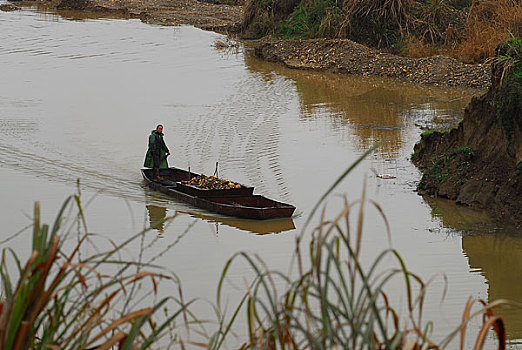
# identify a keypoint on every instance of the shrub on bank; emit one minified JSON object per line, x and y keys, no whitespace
{"x":467,"y":30}
{"x":488,"y":23}
{"x":507,"y":98}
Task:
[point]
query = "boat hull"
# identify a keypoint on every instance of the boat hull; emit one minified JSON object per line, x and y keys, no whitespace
{"x":247,"y":206}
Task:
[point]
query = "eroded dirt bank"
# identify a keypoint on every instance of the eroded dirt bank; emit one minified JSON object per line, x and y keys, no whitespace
{"x":348,"y":57}
{"x":480,"y":162}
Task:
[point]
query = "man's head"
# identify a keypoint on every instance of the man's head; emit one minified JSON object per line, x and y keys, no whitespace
{"x":159,"y":128}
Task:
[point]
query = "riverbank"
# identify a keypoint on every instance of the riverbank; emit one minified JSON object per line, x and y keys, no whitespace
{"x":479,"y":163}
{"x":348,"y":57}
{"x":328,"y":55}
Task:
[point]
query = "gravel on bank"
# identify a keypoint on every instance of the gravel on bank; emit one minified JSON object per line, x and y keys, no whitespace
{"x":349,"y":57}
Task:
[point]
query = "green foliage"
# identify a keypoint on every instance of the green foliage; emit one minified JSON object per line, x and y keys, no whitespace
{"x":430,"y":132}
{"x":514,"y":48}
{"x":442,"y":167}
{"x":423,"y":182}
{"x":519,"y":166}
{"x":468,"y":152}
{"x":424,"y":135}
{"x":415,"y":155}
{"x":460,"y":4}
{"x":438,"y":171}
{"x":308,"y":19}
{"x":508,"y":97}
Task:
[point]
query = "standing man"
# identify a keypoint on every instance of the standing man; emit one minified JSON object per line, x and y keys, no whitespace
{"x":156,"y":157}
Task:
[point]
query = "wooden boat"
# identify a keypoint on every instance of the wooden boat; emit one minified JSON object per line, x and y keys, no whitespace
{"x":238,"y":202}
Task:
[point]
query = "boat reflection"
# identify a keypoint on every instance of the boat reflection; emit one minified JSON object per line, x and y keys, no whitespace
{"x":158,"y":212}
{"x":259,"y":227}
{"x":495,"y":254}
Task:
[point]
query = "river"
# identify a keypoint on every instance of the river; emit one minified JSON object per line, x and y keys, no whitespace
{"x":79,"y":96}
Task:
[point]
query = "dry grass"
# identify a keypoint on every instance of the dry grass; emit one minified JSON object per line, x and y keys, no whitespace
{"x":389,"y":10}
{"x":435,"y":20}
{"x":64,"y":300}
{"x":336,"y":303}
{"x":489,"y":23}
{"x":417,"y":47}
{"x":387,"y":15}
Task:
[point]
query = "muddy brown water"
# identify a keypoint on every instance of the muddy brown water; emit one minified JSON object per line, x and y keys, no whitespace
{"x":79,"y":96}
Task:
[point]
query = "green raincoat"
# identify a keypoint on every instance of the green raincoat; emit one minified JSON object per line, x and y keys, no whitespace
{"x":157,"y":144}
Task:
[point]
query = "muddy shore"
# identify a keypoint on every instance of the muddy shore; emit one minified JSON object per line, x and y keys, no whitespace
{"x":221,"y":18}
{"x":348,"y":57}
{"x":328,"y":55}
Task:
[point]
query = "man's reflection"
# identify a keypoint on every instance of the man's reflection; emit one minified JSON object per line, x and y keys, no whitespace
{"x":157,"y":217}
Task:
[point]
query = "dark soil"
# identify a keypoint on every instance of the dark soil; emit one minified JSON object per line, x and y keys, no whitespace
{"x":348,"y":57}
{"x":479,"y":163}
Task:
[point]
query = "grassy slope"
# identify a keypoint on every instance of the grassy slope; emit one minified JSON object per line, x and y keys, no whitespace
{"x":468,"y":30}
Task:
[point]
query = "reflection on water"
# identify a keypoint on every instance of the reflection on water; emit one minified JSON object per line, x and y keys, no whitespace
{"x":499,"y":259}
{"x":259,"y":227}
{"x":459,"y":217}
{"x":157,"y":212}
{"x":157,"y":217}
{"x":73,"y":15}
{"x":374,"y":109}
{"x":494,"y":252}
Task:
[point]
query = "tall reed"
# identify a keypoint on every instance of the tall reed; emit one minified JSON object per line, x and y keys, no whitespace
{"x":60,"y":299}
{"x":331,"y":301}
